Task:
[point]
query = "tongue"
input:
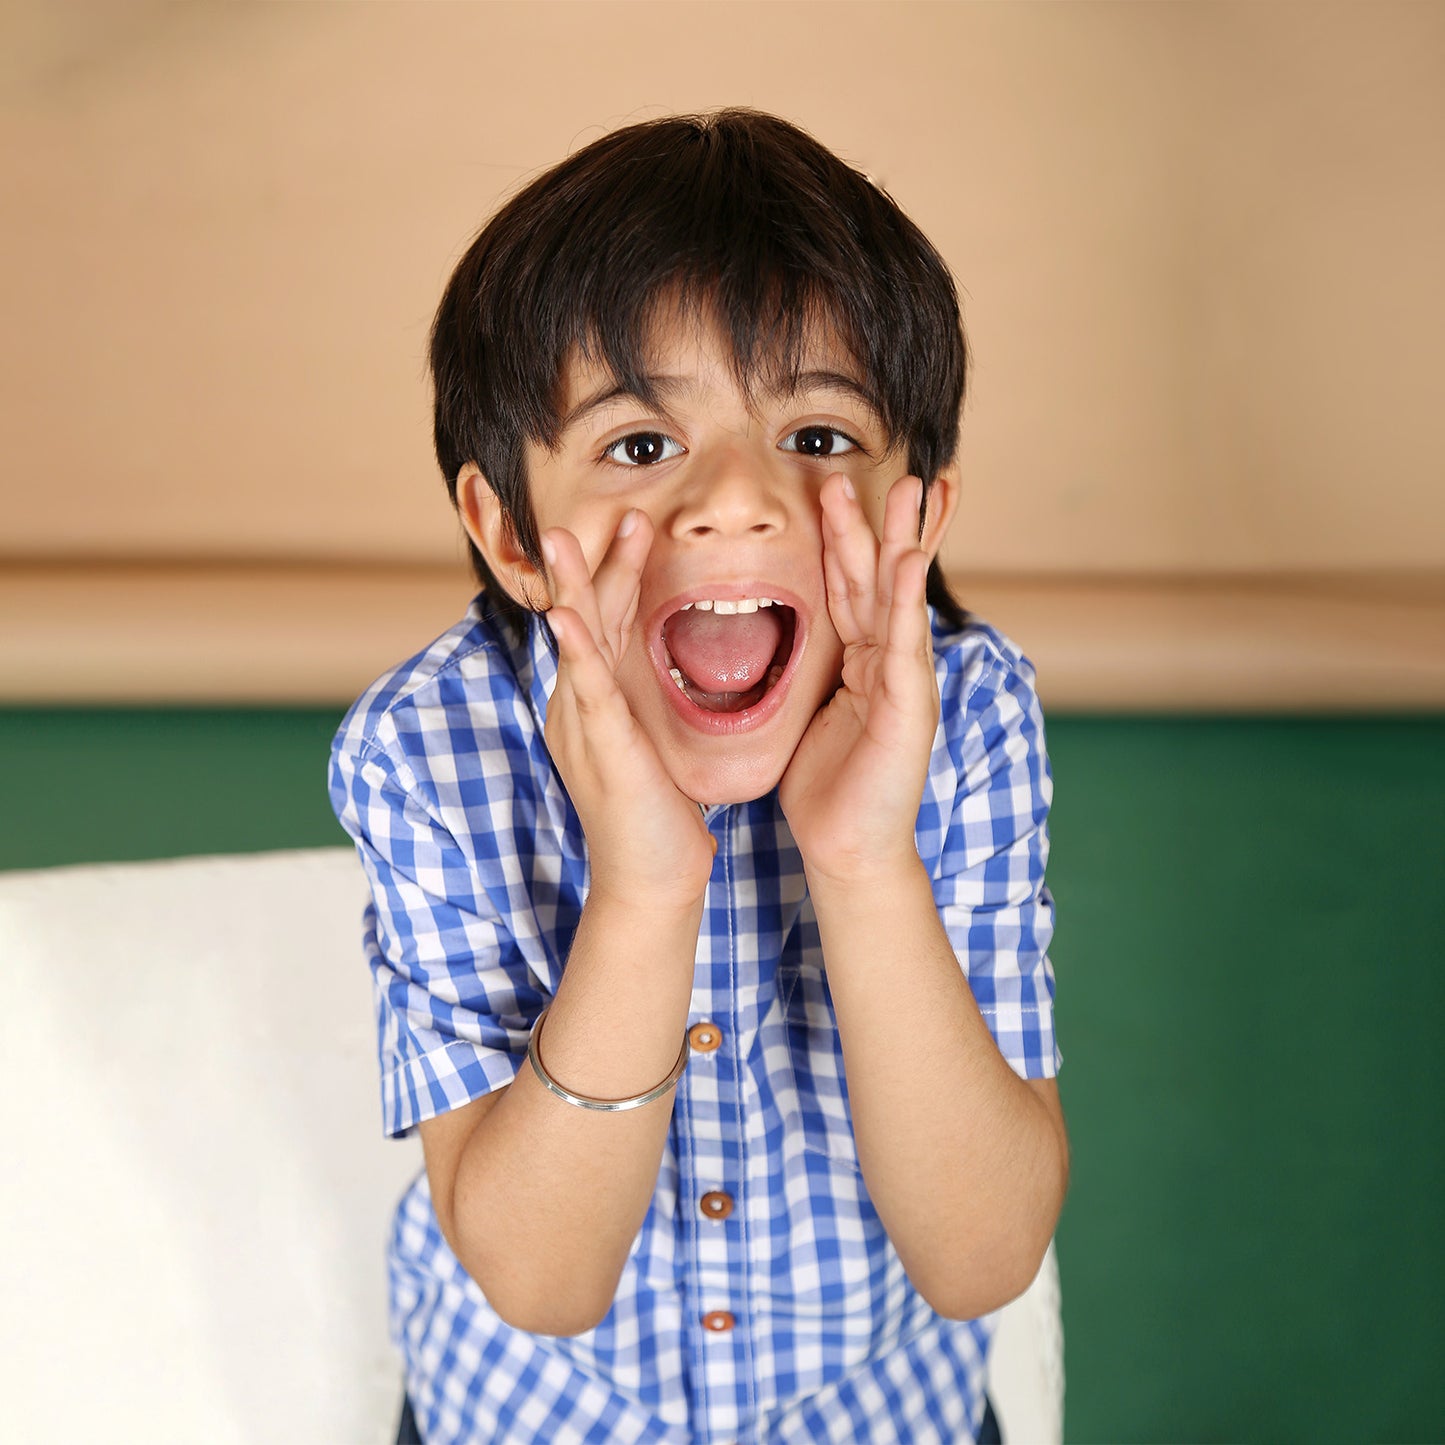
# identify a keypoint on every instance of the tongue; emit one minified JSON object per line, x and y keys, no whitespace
{"x":723,"y":654}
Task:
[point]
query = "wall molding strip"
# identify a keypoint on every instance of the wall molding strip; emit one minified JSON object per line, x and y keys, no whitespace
{"x":232,"y":632}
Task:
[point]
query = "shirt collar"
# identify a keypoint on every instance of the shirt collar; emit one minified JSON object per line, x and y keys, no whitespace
{"x":537,"y":664}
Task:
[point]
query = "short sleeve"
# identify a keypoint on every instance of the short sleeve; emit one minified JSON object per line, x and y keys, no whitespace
{"x":989,"y":884}
{"x":455,"y":994}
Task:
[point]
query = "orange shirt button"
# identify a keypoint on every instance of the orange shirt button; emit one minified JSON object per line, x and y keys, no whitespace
{"x":704,"y":1037}
{"x":718,"y":1321}
{"x":715,"y":1204}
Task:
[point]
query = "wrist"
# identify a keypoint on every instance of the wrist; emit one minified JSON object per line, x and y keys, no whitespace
{"x":866,"y":883}
{"x":662,"y":875}
{"x":624,"y":902}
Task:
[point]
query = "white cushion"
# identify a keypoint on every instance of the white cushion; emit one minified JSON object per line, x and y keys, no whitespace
{"x":198,"y":1194}
{"x":195,"y":1249}
{"x":1026,"y":1363}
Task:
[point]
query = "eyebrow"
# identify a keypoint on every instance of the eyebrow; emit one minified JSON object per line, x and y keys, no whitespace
{"x":835,"y":381}
{"x":605,"y":396}
{"x":807,"y":381}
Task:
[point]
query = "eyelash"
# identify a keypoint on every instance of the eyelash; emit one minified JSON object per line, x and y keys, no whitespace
{"x":853,"y":444}
{"x":607,"y":451}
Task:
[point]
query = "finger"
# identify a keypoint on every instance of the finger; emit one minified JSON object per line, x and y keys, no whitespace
{"x":908,"y":650}
{"x":571,"y":581}
{"x":900,"y":538}
{"x":850,"y":561}
{"x":617,"y":582}
{"x":584,"y":672}
{"x":835,"y":582}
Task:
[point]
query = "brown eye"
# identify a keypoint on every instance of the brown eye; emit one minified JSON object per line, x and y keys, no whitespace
{"x":643,"y":449}
{"x":818,"y":441}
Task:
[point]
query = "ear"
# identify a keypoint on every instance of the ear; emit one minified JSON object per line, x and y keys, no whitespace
{"x":939,"y":506}
{"x":495,"y":538}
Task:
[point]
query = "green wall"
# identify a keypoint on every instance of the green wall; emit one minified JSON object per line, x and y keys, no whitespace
{"x":1251,"y":1000}
{"x":126,"y":783}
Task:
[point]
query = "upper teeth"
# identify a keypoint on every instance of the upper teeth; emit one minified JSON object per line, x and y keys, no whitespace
{"x":728,"y":607}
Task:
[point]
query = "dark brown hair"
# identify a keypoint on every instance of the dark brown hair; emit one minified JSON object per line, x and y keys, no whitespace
{"x":738,"y":212}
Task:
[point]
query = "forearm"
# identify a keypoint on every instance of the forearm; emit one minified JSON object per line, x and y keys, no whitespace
{"x":544,"y":1198}
{"x":966,"y":1163}
{"x":548,"y":1197}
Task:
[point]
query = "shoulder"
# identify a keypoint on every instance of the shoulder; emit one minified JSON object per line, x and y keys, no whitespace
{"x":473,"y":693}
{"x":989,"y":780}
{"x":986,"y":683}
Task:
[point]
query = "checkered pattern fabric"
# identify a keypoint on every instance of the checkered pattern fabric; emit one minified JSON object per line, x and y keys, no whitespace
{"x":478,"y":872}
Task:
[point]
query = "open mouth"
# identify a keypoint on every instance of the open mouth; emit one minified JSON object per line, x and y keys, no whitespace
{"x":725,"y":655}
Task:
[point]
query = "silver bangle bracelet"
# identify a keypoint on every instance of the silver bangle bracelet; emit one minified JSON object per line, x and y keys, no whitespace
{"x":583,"y":1101}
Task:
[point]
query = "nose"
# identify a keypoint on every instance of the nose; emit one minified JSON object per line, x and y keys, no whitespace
{"x":735,"y":495}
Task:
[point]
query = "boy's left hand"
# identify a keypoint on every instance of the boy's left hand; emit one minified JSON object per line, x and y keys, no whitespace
{"x":852,"y":790}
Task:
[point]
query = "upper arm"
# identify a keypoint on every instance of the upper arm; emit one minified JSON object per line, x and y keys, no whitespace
{"x":991,"y":805}
{"x":444,"y":1139}
{"x":458,"y":965}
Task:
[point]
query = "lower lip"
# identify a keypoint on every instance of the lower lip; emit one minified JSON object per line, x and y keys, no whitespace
{"x":729,"y":724}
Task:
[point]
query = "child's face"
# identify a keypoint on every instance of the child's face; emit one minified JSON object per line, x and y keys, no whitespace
{"x":732,"y":491}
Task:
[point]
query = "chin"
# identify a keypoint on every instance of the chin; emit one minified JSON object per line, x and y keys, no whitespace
{"x":725,"y":780}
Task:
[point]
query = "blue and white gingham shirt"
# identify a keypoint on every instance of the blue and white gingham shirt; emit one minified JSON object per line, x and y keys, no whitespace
{"x":478,"y":872}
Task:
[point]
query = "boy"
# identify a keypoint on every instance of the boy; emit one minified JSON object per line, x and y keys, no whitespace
{"x":709,"y":929}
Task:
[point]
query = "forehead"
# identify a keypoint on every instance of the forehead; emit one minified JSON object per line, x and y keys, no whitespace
{"x":688,"y":353}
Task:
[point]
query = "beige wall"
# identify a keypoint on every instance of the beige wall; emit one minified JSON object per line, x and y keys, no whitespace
{"x":1198,"y":246}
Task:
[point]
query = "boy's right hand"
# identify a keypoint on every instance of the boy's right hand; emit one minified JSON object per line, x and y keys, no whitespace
{"x":646,"y":841}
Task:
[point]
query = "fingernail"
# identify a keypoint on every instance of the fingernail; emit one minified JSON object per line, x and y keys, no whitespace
{"x":848,"y":490}
{"x":549,"y":552}
{"x":628,"y":525}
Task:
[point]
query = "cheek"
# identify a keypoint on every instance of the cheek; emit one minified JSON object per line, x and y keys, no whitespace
{"x":637,"y":678}
{"x":825,"y":647}
{"x":596,"y":536}
{"x":593,"y":523}
{"x":874,"y":488}
{"x":875,"y":507}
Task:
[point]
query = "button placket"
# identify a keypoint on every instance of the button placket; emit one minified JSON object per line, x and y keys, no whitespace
{"x":718,"y":1272}
{"x":716,"y":1205}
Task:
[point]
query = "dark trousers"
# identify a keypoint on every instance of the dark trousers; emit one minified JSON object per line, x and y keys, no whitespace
{"x":407,"y":1433}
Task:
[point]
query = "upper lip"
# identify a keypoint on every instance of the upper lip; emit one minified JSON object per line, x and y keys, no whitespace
{"x":728,"y":592}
